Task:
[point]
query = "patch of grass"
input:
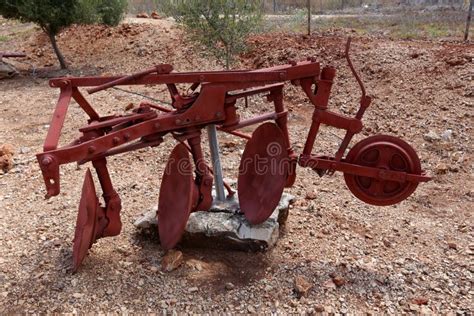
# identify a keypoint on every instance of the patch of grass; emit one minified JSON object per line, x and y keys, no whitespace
{"x":4,"y":38}
{"x":403,"y":25}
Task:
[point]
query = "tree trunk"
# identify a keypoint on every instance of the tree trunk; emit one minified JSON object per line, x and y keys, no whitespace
{"x":227,"y":57}
{"x":309,"y":16}
{"x":468,"y":21}
{"x":62,"y":62}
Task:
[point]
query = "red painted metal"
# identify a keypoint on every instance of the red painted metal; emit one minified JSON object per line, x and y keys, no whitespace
{"x":178,"y":193}
{"x":263,"y":173}
{"x":386,"y":153}
{"x":87,"y":221}
{"x":213,"y":98}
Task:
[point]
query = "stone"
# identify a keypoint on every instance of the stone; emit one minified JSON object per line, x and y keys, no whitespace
{"x":446,"y":135}
{"x":431,"y":136}
{"x":302,"y":286}
{"x":319,"y":308}
{"x":229,"y":286}
{"x":172,"y":260}
{"x":193,"y":289}
{"x":7,"y":70}
{"x":143,"y":15}
{"x":420,"y":300}
{"x":224,"y":227}
{"x":339,"y":280}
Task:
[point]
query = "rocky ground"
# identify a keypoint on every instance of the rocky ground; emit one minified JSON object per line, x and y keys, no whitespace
{"x":336,"y":254}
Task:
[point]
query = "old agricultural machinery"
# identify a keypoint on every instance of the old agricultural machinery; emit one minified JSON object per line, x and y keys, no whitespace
{"x":379,"y":170}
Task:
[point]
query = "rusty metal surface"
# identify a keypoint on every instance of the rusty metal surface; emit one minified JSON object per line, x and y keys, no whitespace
{"x":262,"y":173}
{"x":380,"y":170}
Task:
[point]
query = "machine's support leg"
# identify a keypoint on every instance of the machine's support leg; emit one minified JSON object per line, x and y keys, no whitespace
{"x":216,"y":162}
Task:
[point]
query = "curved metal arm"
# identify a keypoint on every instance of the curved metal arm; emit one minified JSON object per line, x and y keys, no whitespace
{"x":351,"y":66}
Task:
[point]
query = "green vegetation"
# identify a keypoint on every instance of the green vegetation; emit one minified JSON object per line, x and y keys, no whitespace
{"x":402,"y":25}
{"x":3,"y":38}
{"x":54,"y":15}
{"x":221,"y":25}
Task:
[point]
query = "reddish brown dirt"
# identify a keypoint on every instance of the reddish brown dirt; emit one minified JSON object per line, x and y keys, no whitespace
{"x":411,"y":257}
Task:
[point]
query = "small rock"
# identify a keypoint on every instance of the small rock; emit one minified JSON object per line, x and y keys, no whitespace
{"x":109,"y":292}
{"x":319,"y":308}
{"x":441,"y":168}
{"x":229,"y":286}
{"x":129,"y":106}
{"x":452,"y":245}
{"x":447,"y":135}
{"x":339,"y":280}
{"x":195,"y":264}
{"x":311,"y":195}
{"x":420,"y":300}
{"x":77,"y":295}
{"x":193,"y":289}
{"x":24,"y":150}
{"x":302,"y":286}
{"x":172,"y":260}
{"x":155,"y":15}
{"x":143,"y":15}
{"x":329,"y":284}
{"x":431,"y":136}
{"x":154,"y":269}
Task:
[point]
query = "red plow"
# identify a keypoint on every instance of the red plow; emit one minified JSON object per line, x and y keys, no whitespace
{"x":379,"y":170}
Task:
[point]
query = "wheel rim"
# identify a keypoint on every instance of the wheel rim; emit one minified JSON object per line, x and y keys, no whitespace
{"x":386,"y":153}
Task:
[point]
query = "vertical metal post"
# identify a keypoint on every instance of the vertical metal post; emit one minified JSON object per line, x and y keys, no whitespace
{"x":308,"y":5}
{"x":216,"y":162}
{"x":468,"y":21}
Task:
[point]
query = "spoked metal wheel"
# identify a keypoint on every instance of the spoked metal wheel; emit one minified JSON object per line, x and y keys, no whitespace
{"x":388,"y":153}
{"x":263,"y":173}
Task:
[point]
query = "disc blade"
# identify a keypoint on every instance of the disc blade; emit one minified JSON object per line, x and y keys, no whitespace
{"x":176,"y":197}
{"x":263,"y":173}
{"x":86,"y":219}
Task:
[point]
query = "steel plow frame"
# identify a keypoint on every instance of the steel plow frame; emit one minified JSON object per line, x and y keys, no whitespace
{"x":383,"y":171}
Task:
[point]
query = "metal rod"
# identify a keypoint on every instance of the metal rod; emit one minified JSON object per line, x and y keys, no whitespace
{"x":216,"y":162}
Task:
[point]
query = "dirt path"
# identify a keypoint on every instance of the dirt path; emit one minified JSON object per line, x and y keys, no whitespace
{"x":413,"y":257}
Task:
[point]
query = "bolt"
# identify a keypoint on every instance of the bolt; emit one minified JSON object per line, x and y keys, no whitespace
{"x":126,"y":136}
{"x":116,"y":140}
{"x":218,"y":114}
{"x":46,"y":161}
{"x":91,"y":149}
{"x":157,"y":125}
{"x":201,"y":78}
{"x":178,"y":122}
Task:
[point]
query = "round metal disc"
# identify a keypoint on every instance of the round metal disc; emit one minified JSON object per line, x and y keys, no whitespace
{"x":384,"y":152}
{"x":84,"y":235}
{"x":263,"y":173}
{"x":176,"y":197}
